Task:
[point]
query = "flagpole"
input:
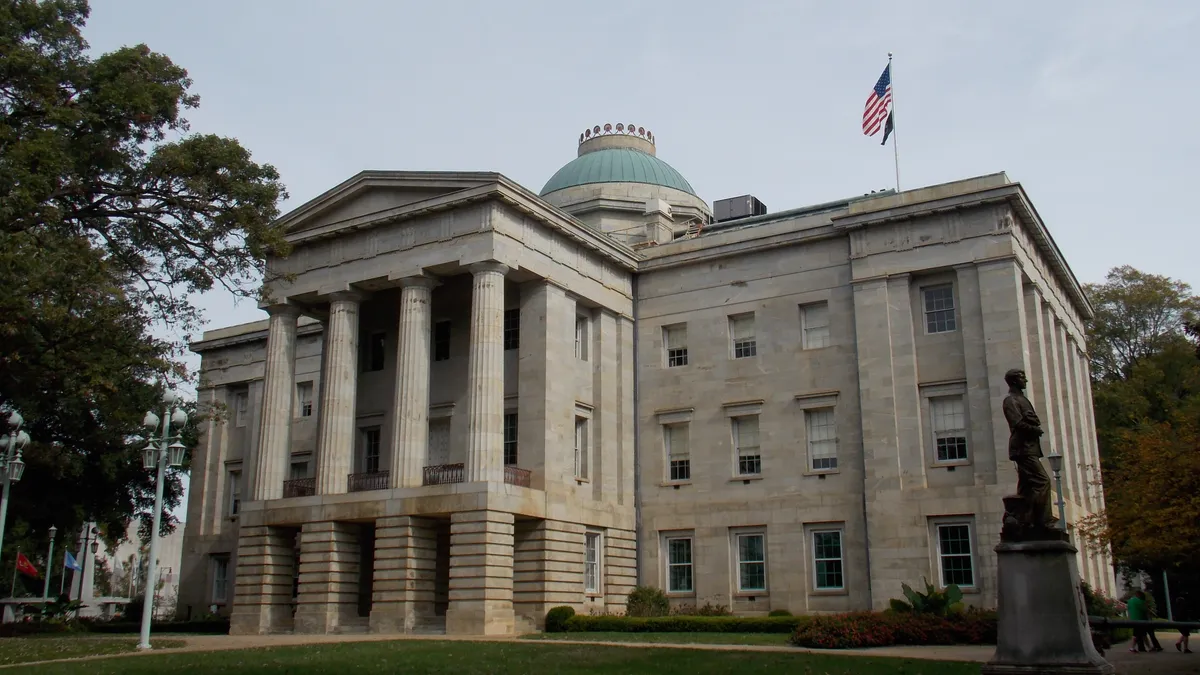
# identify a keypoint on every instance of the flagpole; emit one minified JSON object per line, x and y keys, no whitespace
{"x":895,"y":146}
{"x":62,"y":577}
{"x":12,"y":593}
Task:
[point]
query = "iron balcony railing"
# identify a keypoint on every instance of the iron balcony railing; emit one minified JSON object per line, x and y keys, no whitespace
{"x":444,"y":474}
{"x":299,"y":487}
{"x":373,"y":480}
{"x":514,"y":475}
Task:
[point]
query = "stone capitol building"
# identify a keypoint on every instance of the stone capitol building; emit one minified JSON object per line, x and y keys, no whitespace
{"x":471,"y":402}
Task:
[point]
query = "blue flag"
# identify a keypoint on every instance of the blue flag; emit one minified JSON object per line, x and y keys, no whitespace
{"x":70,"y":563}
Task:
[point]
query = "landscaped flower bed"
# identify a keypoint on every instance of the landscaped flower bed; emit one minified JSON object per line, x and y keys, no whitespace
{"x":883,"y":629}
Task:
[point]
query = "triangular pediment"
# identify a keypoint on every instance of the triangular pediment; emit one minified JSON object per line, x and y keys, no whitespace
{"x":377,"y":192}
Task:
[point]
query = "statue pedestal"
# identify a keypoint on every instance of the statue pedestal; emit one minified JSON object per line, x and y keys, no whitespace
{"x":1042,"y":617}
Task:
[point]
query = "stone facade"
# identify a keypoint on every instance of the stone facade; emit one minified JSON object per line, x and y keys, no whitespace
{"x":468,"y":406}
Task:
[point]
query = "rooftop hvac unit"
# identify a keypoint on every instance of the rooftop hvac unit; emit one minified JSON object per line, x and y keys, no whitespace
{"x":738,"y":207}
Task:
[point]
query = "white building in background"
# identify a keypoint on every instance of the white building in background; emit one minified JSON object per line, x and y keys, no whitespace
{"x":472,"y":402}
{"x":127,"y":563}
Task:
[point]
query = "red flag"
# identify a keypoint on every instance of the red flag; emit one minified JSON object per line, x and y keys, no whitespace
{"x":26,"y":567}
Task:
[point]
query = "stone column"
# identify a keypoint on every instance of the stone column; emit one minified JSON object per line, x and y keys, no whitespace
{"x":405,"y":574}
{"x":485,"y":379}
{"x":262,"y":592}
{"x":1002,"y":298}
{"x":335,"y":446}
{"x":329,"y":573}
{"x":546,"y":403}
{"x":275,"y":434}
{"x":410,"y":433}
{"x":481,"y":574}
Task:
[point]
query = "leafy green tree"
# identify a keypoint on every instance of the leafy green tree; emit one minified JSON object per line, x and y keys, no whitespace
{"x":1146,"y":390}
{"x":112,"y":215}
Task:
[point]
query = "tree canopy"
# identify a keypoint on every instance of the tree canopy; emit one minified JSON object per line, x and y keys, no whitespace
{"x":1147,"y":403}
{"x":112,"y":216}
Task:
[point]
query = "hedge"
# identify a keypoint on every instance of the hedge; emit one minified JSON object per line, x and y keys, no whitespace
{"x":883,"y":629}
{"x":684,"y":624}
{"x":206,"y":627}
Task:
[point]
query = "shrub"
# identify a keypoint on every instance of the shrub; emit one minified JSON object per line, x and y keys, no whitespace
{"x":684,"y":624}
{"x":708,"y":609}
{"x":880,"y":629}
{"x":779,"y":612}
{"x":557,"y":617}
{"x":646,"y":601}
{"x":932,"y":601}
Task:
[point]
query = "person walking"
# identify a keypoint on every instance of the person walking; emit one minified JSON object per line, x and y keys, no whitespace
{"x":1183,"y":612}
{"x":1138,"y":612}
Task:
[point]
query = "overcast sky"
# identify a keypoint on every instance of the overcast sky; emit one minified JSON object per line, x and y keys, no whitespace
{"x":1088,"y":104}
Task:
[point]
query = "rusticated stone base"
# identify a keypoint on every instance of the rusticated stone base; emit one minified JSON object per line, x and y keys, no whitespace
{"x":1042,"y":617}
{"x":481,"y":574}
{"x":262,"y":600}
{"x":405,"y":574}
{"x":329,"y":572}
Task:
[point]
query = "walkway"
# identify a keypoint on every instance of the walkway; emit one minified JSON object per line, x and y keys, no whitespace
{"x":1168,"y":662}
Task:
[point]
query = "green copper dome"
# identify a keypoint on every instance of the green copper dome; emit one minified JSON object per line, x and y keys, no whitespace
{"x":617,"y":165}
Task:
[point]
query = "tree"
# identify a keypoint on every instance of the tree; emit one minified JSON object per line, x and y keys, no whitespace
{"x":1146,"y":393}
{"x":1136,"y":315}
{"x":111,"y":217}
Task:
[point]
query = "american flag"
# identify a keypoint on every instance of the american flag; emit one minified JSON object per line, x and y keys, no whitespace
{"x":878,"y":103}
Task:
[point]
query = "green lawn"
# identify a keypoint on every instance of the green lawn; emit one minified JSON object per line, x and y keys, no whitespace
{"x":779,"y":639}
{"x":500,"y":658}
{"x":27,"y":649}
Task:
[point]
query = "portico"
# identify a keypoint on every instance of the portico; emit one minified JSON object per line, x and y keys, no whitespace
{"x":419,"y":420}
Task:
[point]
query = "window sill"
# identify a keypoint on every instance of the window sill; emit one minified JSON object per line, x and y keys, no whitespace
{"x":593,"y":595}
{"x":674,"y":483}
{"x":823,"y":473}
{"x":829,"y":592}
{"x":951,"y":464}
{"x":749,"y":477}
{"x":581,"y":481}
{"x":679,"y":595}
{"x":746,"y":595}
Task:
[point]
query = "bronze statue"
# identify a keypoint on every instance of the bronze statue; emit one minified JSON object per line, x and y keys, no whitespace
{"x":1025,"y":448}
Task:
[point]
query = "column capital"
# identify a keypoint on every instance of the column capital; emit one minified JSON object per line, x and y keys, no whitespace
{"x":352,"y":295}
{"x":488,"y":266}
{"x":420,"y":281}
{"x":284,"y":308}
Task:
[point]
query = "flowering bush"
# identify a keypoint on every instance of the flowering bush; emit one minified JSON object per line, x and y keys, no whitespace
{"x":877,"y":629}
{"x":647,"y":601}
{"x":684,"y":624}
{"x":707,"y":609}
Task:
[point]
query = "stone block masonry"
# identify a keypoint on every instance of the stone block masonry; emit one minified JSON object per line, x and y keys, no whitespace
{"x":620,"y":568}
{"x":547,"y":568}
{"x":481,"y":574}
{"x":329,"y":577}
{"x":263,"y":588}
{"x":405,"y":574}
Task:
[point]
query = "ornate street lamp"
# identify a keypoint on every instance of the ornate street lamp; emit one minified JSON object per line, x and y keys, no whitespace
{"x":1056,"y":461}
{"x":11,"y":466}
{"x":161,"y":451}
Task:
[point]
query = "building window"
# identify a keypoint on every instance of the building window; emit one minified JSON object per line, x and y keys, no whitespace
{"x":679,"y":462}
{"x":679,"y":565}
{"x":741,"y":330}
{"x":370,"y":438}
{"x":827,"y":560}
{"x":304,"y":395}
{"x":220,"y":587}
{"x":235,"y":492}
{"x":581,"y":447}
{"x":939,"y":308}
{"x":752,"y":562}
{"x":949,"y":428}
{"x":954,"y":555}
{"x":510,"y":438}
{"x":581,"y":338}
{"x":822,"y":439}
{"x":512,"y":329}
{"x":675,"y":340}
{"x":241,"y":408}
{"x":745,"y":441}
{"x":373,"y":356}
{"x":591,"y":563}
{"x":298,"y":470}
{"x":814,"y":325}
{"x":441,"y":341}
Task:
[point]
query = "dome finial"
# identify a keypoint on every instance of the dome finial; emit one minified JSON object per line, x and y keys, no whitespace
{"x":618,"y":129}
